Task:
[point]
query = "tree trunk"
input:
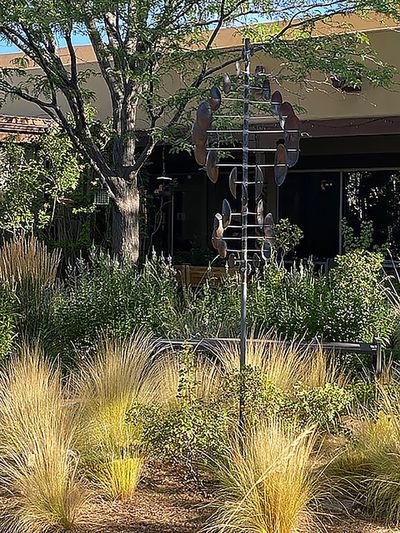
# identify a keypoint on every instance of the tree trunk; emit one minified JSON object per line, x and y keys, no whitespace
{"x":125,"y":225}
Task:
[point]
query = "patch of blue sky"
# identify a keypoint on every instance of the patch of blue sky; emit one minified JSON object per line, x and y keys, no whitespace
{"x":6,"y":48}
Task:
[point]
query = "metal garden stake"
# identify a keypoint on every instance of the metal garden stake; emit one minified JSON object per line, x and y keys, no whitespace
{"x":255,"y":225}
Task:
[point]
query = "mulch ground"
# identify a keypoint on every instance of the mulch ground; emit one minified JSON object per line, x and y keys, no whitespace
{"x":166,"y":503}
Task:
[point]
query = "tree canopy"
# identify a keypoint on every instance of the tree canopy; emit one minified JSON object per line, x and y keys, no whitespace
{"x":138,"y":44}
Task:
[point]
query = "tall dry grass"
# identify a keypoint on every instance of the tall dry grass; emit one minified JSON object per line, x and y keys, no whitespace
{"x":106,"y":387}
{"x":369,"y":468}
{"x":26,"y":259}
{"x":38,"y":462}
{"x":268,"y":483}
{"x":284,"y":363}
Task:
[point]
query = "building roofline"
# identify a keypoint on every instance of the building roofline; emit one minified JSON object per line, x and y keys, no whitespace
{"x":22,"y":129}
{"x":230,"y":37}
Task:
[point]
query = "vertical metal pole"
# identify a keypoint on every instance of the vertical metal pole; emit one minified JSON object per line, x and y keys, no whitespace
{"x":244,"y":213}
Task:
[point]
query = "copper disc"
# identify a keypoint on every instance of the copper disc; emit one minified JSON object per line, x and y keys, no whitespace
{"x":211,"y":164}
{"x":232,"y":182}
{"x":226,"y":213}
{"x":276,"y":102}
{"x":281,"y":164}
{"x":260,"y":213}
{"x":269,"y":220}
{"x":199,"y":136}
{"x":292,"y":139}
{"x":218,"y":230}
{"x":222,"y":249}
{"x":285,"y":112}
{"x":227,"y":85}
{"x":231,"y":261}
{"x":266,"y":251}
{"x":204,"y":116}
{"x":200,"y":155}
{"x":256,"y":261}
{"x":215,"y":98}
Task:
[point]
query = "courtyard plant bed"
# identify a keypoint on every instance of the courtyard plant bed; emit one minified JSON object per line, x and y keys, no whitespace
{"x":103,"y":429}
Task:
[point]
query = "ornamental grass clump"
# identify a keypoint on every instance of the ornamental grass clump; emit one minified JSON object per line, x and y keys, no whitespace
{"x":106,"y":387}
{"x":369,"y":468}
{"x":38,"y":458}
{"x":284,"y":363}
{"x":268,"y":482}
{"x":26,"y":259}
{"x":28,"y":273}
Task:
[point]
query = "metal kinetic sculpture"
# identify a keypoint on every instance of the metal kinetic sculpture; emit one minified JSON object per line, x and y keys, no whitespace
{"x":255,"y":225}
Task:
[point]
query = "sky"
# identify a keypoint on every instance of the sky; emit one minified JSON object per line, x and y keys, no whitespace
{"x":7,"y":49}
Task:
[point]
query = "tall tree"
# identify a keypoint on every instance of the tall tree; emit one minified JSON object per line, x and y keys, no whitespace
{"x":139,"y":44}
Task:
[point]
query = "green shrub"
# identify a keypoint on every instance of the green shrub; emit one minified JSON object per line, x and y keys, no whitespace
{"x":289,"y":302}
{"x":357,"y":307}
{"x":349,"y":304}
{"x":191,"y":431}
{"x":262,"y":398}
{"x":103,"y":295}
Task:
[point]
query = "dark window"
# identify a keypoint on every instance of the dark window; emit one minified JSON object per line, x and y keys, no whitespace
{"x":374,"y":195}
{"x":312,"y":201}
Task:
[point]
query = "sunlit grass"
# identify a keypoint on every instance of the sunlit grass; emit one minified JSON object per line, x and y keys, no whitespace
{"x":268,"y":483}
{"x":284,"y":363}
{"x":119,"y":477}
{"x":106,"y":387}
{"x":38,"y":458}
{"x":25,"y":259}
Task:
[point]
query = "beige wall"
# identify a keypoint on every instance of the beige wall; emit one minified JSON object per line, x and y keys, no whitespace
{"x":323,"y":103}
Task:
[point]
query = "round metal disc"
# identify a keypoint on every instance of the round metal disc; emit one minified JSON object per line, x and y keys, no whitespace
{"x":226,"y":214}
{"x":222,"y":249}
{"x":227,"y":85}
{"x":204,"y":116}
{"x":211,"y":165}
{"x":269,"y":232}
{"x":292,"y":139}
{"x":215,"y":98}
{"x":269,"y":220}
{"x":232,"y":182}
{"x":260,"y":213}
{"x":218,"y":230}
{"x":256,"y":261}
{"x":266,"y":90}
{"x":285,"y":112}
{"x":199,"y":136}
{"x":200,"y":155}
{"x":294,"y":153}
{"x":281,"y":164}
{"x":259,"y":179}
{"x":231,"y":261}
{"x":215,"y":242}
{"x":292,"y":124}
{"x":276,"y":102}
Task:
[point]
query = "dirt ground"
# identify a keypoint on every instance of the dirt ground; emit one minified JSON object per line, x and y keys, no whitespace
{"x":169,"y":505}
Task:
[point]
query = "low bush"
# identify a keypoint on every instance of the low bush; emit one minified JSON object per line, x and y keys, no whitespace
{"x":349,"y":304}
{"x":103,"y":295}
{"x":187,"y":426}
